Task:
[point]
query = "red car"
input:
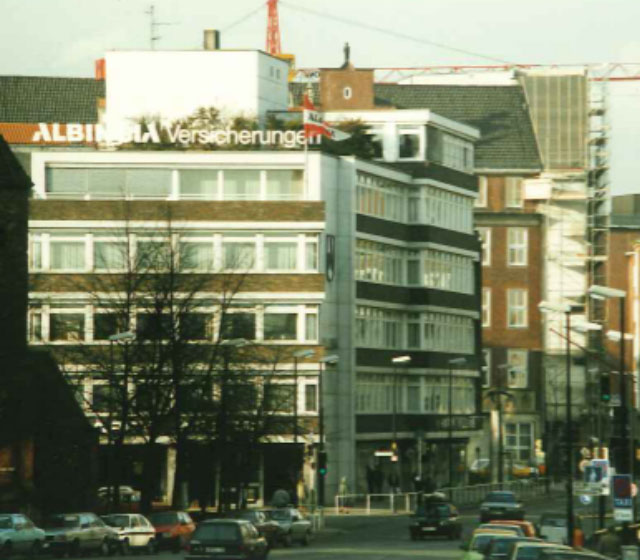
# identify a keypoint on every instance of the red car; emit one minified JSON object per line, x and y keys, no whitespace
{"x":173,"y":529}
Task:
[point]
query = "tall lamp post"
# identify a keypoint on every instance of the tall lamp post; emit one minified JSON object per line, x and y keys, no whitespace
{"x":546,"y":307}
{"x":624,"y":459}
{"x":330,"y":360}
{"x":452,"y":362}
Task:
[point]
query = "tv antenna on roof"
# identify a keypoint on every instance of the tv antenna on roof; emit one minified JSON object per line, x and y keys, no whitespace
{"x":153,"y":26}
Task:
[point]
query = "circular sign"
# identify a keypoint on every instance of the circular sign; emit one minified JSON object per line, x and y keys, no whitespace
{"x":585,"y":500}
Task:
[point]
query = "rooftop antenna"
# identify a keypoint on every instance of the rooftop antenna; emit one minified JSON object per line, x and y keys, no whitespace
{"x":153,"y":26}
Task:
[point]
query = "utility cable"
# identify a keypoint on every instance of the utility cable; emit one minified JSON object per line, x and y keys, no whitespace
{"x":243,"y":18}
{"x":392,"y":33}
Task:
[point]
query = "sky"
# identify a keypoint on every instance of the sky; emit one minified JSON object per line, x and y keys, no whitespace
{"x":64,"y":37}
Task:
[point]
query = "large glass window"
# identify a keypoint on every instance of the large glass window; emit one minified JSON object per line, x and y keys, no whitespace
{"x":67,"y":253}
{"x":238,"y":325}
{"x":199,"y":183}
{"x":71,"y":182}
{"x":196,"y":254}
{"x":518,"y":370}
{"x":66,"y":326}
{"x":285,"y":184}
{"x":196,"y":326}
{"x":280,"y":253}
{"x":280,"y":326}
{"x":310,"y":398}
{"x":106,"y":324}
{"x":239,"y":252}
{"x":241,"y":184}
{"x":513,"y":198}
{"x":486,"y":307}
{"x":110,"y":255}
{"x":279,"y":397}
{"x":104,"y":398}
{"x":153,"y":326}
{"x":153,"y":254}
{"x":519,"y":440}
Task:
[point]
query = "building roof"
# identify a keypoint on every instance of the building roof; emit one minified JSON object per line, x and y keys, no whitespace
{"x":500,"y":113}
{"x":32,"y":99}
{"x":11,"y":173}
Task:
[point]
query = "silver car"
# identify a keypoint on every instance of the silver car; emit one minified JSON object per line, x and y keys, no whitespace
{"x":73,"y":533}
{"x":134,"y":531}
{"x":295,"y":527}
{"x":18,"y":535}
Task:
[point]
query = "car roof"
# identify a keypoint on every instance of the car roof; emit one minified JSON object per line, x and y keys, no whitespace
{"x":225,"y":521}
{"x":491,"y":532}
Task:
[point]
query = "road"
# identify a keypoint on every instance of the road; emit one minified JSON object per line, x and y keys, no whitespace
{"x":384,"y":537}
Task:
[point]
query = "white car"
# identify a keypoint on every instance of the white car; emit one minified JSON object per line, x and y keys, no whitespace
{"x":135,"y":531}
{"x":18,"y":535}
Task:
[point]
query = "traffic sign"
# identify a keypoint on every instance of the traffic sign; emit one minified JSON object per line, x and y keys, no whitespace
{"x":585,"y":499}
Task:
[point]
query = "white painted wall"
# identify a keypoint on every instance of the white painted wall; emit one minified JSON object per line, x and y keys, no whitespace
{"x":173,"y":84}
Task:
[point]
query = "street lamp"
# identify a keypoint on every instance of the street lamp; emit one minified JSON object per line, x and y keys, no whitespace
{"x":330,"y":360}
{"x":396,"y":361}
{"x":547,"y":307}
{"x":452,"y":362}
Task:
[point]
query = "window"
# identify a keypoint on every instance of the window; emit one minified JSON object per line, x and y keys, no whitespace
{"x":518,"y":371}
{"x":153,"y":326}
{"x":66,"y":325}
{"x":104,"y":398}
{"x":241,"y":185}
{"x":110,"y":255}
{"x":196,"y":326}
{"x":481,"y":201}
{"x":196,"y":253}
{"x":239,"y":252}
{"x":280,"y":326}
{"x":347,"y":92}
{"x":285,"y":184}
{"x":311,"y":326}
{"x":280,"y":253}
{"x":457,"y":153}
{"x":486,"y":307}
{"x":279,"y":397}
{"x":107,"y":324}
{"x":485,"y":240}
{"x":409,"y":143}
{"x":198,"y":183}
{"x":486,"y":369}
{"x":413,"y":397}
{"x":517,"y":301}
{"x":310,"y":398}
{"x":517,"y":246}
{"x":153,"y":254}
{"x":238,"y":325}
{"x":513,"y":197}
{"x":311,"y":252}
{"x":67,"y":253}
{"x":519,"y":440}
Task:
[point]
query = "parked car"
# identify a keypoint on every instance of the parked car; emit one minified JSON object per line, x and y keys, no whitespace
{"x":269,"y":529}
{"x":173,"y":529}
{"x":435,"y":518}
{"x":501,"y":505}
{"x":18,"y":535}
{"x":499,"y":547}
{"x":553,"y":528}
{"x":528,"y":528}
{"x":479,"y":543}
{"x":73,"y":533}
{"x":228,"y":539}
{"x":531,"y":550}
{"x":135,"y":532}
{"x":551,"y":554}
{"x":295,"y":527}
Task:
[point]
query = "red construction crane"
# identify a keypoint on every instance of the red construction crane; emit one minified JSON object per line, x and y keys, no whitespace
{"x":273,"y":28}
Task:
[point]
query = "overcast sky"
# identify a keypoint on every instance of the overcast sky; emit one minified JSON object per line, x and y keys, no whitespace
{"x":64,"y":37}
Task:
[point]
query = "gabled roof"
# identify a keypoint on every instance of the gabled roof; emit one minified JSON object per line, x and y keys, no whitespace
{"x":12,"y":176}
{"x":501,"y":114}
{"x":29,"y":99}
{"x":507,"y":138}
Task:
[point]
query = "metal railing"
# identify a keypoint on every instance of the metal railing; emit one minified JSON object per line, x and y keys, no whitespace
{"x":460,"y":496}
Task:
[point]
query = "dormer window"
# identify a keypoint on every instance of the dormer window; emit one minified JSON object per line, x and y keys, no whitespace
{"x":347,"y":92}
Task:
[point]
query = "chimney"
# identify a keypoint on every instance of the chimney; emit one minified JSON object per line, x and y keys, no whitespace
{"x":101,"y":69}
{"x":211,"y":40}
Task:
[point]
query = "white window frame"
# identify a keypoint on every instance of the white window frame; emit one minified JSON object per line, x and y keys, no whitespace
{"x":483,"y":189}
{"x":486,"y":379}
{"x":514,"y":192}
{"x":515,"y":450}
{"x":517,"y":308}
{"x":518,"y":370}
{"x":486,"y":307}
{"x":517,"y":246}
{"x":485,"y":238}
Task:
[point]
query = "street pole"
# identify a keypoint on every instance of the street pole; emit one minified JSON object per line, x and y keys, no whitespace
{"x":569,"y":433}
{"x":320,"y":477}
{"x":500,"y":444}
{"x":295,"y":399}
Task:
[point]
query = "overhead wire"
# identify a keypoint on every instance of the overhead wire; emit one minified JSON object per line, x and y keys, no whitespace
{"x":392,"y":33}
{"x":243,"y":18}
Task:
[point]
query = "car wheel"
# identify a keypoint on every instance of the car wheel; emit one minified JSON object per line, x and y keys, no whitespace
{"x":74,"y":549}
{"x":105,"y":548}
{"x":151,"y":547}
{"x":305,"y":539}
{"x":124,"y":547}
{"x":286,"y":541}
{"x":7,"y":550}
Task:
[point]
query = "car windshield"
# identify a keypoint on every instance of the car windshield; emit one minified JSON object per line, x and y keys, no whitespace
{"x":280,"y":515}
{"x":61,"y":521}
{"x":5,"y":522}
{"x":166,"y":518}
{"x":216,"y":532}
{"x":529,"y":553}
{"x":248,"y":515}
{"x":117,"y":520}
{"x":480,"y":541}
{"x":501,"y":497}
{"x":431,"y":510}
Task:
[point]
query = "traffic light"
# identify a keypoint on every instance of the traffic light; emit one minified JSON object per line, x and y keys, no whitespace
{"x":605,"y":388}
{"x":322,"y":463}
